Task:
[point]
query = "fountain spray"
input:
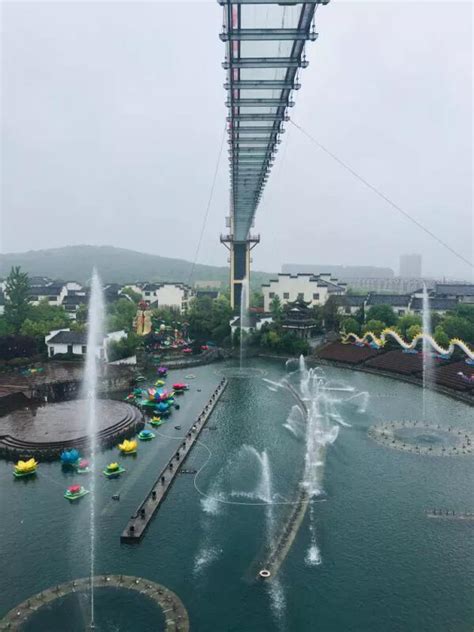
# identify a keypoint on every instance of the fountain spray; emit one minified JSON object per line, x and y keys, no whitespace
{"x":427,"y":358}
{"x":243,"y":316}
{"x":94,"y":339}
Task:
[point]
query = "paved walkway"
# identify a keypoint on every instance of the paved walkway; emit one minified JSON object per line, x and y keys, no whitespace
{"x":139,"y":521}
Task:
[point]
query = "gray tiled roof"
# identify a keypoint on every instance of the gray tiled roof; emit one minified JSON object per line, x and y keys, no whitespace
{"x":454,"y":289}
{"x":395,"y":300}
{"x":69,"y":338}
{"x":49,"y":290}
{"x":435,"y":303}
{"x":351,"y":300}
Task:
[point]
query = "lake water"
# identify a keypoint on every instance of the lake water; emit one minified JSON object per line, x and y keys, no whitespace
{"x":384,"y":565}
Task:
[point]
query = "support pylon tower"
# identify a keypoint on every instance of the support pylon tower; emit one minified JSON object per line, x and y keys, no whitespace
{"x":240,"y":261}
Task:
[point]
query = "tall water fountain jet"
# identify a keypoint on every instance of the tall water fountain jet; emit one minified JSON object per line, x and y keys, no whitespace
{"x":427,"y":357}
{"x":314,"y":419}
{"x":95,"y":328}
{"x":244,"y":317}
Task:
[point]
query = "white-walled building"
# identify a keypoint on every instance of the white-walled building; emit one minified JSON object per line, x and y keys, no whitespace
{"x":462,"y":292}
{"x":54,"y":294}
{"x":174,"y":295}
{"x":303,"y":287}
{"x":62,"y":341}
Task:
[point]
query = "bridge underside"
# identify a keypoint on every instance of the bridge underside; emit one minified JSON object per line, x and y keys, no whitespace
{"x":265,"y":44}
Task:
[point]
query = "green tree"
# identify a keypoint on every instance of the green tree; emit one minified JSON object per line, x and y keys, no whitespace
{"x":465,"y":311}
{"x":199,"y":317}
{"x":413,"y":331}
{"x":457,"y":327}
{"x":16,"y":298}
{"x":350,"y":326}
{"x":43,"y":318}
{"x":331,"y":314}
{"x":407,"y":321}
{"x":221,"y":313}
{"x":6,"y":329}
{"x":375,"y":326}
{"x":120,"y":315}
{"x":276,"y":309}
{"x":81,"y":314}
{"x":124,"y":348}
{"x":441,"y":337}
{"x":384,"y":313}
{"x":256,"y":299}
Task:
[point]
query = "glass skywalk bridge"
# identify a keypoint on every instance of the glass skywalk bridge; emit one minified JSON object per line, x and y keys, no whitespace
{"x":265,"y":44}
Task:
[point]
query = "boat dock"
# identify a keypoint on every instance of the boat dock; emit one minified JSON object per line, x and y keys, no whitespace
{"x":139,"y":521}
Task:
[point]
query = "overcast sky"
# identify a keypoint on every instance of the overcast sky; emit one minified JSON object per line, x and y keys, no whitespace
{"x":113,"y":113}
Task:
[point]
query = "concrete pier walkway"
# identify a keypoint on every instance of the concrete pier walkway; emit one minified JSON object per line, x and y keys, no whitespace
{"x":140,"y":520}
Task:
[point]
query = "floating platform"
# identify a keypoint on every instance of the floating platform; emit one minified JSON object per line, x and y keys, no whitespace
{"x":70,"y":496}
{"x":114,"y":473}
{"x":140,"y":520}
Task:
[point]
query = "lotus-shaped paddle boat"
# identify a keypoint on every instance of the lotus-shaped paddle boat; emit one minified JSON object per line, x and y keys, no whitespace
{"x":146,"y":435}
{"x":25,"y":468}
{"x":162,"y":407}
{"x":162,"y":371}
{"x":83,"y":467}
{"x":75,"y":491}
{"x":113,"y":470}
{"x":140,"y":378}
{"x":156,"y":421}
{"x":69,"y":457}
{"x":187,"y":350}
{"x":159,"y":383}
{"x":128,"y":447}
{"x":180,"y":387}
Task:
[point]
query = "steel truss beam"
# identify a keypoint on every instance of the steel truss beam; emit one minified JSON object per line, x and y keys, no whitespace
{"x":260,"y":35}
{"x":267,"y":62}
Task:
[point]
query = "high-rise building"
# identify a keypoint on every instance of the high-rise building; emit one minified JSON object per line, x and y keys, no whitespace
{"x":410,"y":266}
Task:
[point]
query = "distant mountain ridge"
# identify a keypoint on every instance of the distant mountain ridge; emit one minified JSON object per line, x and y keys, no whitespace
{"x":115,"y":265}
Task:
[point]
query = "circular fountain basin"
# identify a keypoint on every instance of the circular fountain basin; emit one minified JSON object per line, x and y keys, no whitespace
{"x":67,"y":606}
{"x":422,"y":438}
{"x":45,"y":431}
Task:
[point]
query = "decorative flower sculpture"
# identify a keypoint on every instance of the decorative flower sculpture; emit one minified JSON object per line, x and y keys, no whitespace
{"x":128,"y":447}
{"x":146,"y":435}
{"x":74,"y":492}
{"x":25,"y":467}
{"x":69,"y":457}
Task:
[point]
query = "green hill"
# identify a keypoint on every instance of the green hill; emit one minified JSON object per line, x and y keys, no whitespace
{"x":115,"y":265}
